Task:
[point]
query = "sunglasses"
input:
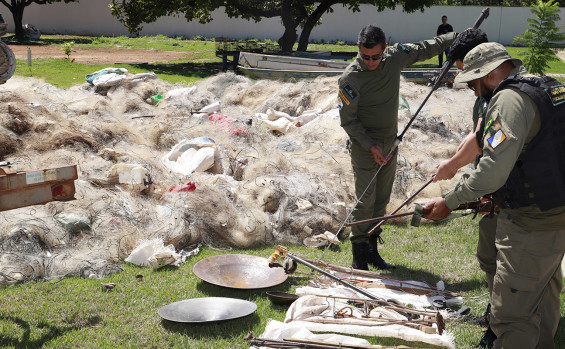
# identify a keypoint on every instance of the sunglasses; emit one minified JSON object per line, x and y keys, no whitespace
{"x":471,"y":86}
{"x":371,"y":58}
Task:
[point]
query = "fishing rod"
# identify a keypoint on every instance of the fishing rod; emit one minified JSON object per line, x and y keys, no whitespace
{"x":446,"y":66}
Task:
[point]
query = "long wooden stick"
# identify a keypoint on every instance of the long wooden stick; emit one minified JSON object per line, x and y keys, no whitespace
{"x":405,"y":202}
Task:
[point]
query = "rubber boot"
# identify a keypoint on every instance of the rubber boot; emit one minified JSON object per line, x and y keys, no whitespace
{"x":360,"y":251}
{"x":374,"y":258}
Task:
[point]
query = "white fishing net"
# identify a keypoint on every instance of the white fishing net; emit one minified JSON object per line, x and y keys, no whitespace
{"x":249,"y":195}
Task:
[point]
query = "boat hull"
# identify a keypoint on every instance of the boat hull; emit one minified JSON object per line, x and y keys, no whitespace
{"x":262,"y":66}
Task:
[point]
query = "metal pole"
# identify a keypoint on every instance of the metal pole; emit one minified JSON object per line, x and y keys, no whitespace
{"x":379,"y":219}
{"x":405,"y":202}
{"x":330,"y":275}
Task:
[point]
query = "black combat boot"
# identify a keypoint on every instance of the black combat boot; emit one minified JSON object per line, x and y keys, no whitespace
{"x":483,"y":321}
{"x":374,"y":258}
{"x":487,"y":342}
{"x":360,"y":251}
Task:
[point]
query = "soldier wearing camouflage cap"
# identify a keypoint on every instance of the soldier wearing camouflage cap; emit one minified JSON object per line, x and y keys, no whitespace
{"x":523,"y":167}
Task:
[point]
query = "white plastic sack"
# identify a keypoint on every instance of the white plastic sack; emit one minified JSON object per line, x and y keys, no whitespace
{"x":154,"y":253}
{"x":194,"y":155}
{"x":211,"y":108}
{"x":180,"y":92}
{"x":107,"y":80}
{"x":281,"y":125}
{"x":143,"y":77}
{"x":133,"y":175}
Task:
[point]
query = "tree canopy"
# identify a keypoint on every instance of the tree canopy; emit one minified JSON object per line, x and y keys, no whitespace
{"x":504,"y":3}
{"x":541,"y":35}
{"x":293,"y":13}
{"x":17,"y":7}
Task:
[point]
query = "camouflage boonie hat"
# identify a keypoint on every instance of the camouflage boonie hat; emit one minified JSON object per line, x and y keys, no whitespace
{"x":482,"y":60}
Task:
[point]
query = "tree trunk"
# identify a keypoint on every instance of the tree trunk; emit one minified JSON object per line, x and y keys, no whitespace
{"x":305,"y":35}
{"x":311,"y":22}
{"x":286,"y":42}
{"x":18,"y":16}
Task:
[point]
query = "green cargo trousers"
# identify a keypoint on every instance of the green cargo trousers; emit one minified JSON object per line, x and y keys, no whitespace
{"x":486,"y":249}
{"x":373,"y":198}
{"x":526,"y":286}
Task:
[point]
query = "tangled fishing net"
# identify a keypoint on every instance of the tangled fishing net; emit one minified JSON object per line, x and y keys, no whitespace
{"x":279,"y":172}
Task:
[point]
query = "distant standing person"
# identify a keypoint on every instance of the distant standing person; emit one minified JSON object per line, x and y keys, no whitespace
{"x":442,"y":29}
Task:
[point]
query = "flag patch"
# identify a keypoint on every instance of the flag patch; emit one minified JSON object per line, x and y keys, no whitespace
{"x":496,"y":139}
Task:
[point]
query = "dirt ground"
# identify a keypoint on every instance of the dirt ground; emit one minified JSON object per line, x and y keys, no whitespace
{"x":100,"y":56}
{"x":112,"y":56}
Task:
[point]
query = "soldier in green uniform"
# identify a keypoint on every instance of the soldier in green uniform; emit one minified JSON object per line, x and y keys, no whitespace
{"x":368,"y":98}
{"x":523,"y":166}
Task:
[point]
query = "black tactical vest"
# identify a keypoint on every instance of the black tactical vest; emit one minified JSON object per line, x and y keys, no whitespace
{"x":538,"y":176}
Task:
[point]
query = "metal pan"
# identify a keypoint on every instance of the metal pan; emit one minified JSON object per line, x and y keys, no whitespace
{"x":200,"y":310}
{"x":239,"y":271}
{"x":281,"y":298}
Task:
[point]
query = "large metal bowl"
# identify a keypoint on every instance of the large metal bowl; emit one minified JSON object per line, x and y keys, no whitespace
{"x":281,"y":298}
{"x":239,"y":271}
{"x":199,"y":310}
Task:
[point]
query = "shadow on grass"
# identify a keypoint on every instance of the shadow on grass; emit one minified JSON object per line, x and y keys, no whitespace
{"x":214,"y":329}
{"x":48,"y":332}
{"x":12,"y":40}
{"x":200,"y":70}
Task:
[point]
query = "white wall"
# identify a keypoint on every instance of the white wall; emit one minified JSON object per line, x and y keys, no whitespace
{"x":93,"y":17}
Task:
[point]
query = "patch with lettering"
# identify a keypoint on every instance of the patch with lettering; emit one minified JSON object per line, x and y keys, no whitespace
{"x":339,"y":102}
{"x":350,"y":92}
{"x":343,"y":98}
{"x":556,"y":94}
{"x":404,"y":48}
{"x":496,"y":139}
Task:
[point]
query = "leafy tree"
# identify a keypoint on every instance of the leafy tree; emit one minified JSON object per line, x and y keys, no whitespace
{"x":541,"y":34}
{"x":293,"y":13}
{"x":17,"y":7}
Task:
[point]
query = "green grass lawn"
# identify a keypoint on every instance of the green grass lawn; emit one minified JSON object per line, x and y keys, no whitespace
{"x":204,"y":63}
{"x":80,"y":313}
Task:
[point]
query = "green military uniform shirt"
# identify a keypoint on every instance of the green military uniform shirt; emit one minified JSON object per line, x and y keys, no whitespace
{"x":512,"y":121}
{"x":369,"y":98}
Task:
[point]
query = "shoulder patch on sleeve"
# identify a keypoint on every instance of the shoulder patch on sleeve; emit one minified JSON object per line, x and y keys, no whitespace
{"x":350,"y":91}
{"x":496,"y":139}
{"x":494,"y":134}
{"x":488,"y":124}
{"x":339,"y":101}
{"x":404,"y":48}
